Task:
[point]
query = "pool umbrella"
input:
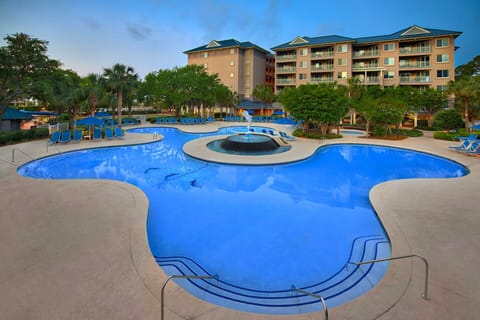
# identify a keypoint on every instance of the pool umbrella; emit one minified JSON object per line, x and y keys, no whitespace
{"x":90,"y":121}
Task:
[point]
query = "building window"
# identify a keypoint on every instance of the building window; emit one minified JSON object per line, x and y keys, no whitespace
{"x":204,"y":54}
{"x":442,"y":73}
{"x":442,"y":43}
{"x":232,"y":63}
{"x":389,"y":61}
{"x":303,"y":64}
{"x":342,"y":62}
{"x":342,"y":75}
{"x":389,"y":75}
{"x":232,"y":75}
{"x":303,"y":52}
{"x":302,"y":76}
{"x":442,"y":57}
{"x":342,"y":48}
{"x":389,"y":47}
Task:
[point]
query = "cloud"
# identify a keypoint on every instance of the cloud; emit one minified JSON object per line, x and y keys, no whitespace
{"x":138,"y":32}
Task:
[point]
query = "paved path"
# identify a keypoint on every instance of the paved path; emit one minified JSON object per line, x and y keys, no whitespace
{"x":77,"y":249}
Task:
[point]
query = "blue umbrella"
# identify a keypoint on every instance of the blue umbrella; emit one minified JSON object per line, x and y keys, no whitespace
{"x":90,"y":121}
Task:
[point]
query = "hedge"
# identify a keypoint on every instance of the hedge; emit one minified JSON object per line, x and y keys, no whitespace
{"x":17,"y":136}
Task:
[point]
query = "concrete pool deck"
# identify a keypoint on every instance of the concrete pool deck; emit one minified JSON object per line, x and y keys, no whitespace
{"x":77,"y":249}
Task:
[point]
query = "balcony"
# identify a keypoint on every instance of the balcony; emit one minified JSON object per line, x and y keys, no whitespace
{"x":369,"y":80}
{"x":365,"y":66}
{"x":415,"y":50}
{"x":365,"y":53}
{"x":285,"y":57}
{"x":322,"y":80}
{"x":322,"y":54}
{"x":285,"y":81}
{"x":321,"y":67}
{"x":415,"y":65}
{"x":286,"y":70}
{"x":409,"y":79}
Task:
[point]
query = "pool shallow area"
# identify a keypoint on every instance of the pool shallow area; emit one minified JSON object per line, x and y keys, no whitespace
{"x":259,"y":229}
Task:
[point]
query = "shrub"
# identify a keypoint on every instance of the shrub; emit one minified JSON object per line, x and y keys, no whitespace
{"x":379,"y":131}
{"x":11,"y":137}
{"x":310,"y":135}
{"x":448,"y":120}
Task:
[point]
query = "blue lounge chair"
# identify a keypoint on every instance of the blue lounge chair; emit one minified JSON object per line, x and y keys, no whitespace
{"x":119,"y":133}
{"x":286,"y":136}
{"x":473,"y":148}
{"x":65,"y":137}
{"x":77,"y":136}
{"x":97,"y":134}
{"x":54,"y":138}
{"x":462,"y":146}
{"x":109,"y":133}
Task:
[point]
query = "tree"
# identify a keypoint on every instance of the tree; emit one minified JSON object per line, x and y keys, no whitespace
{"x":320,"y":105}
{"x":23,"y":62}
{"x":448,"y":120}
{"x":263,"y":93}
{"x":120,"y":79}
{"x":467,"y":96}
{"x":429,"y":101}
{"x":92,"y":85}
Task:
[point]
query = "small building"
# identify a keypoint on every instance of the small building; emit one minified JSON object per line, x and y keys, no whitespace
{"x":12,"y":119}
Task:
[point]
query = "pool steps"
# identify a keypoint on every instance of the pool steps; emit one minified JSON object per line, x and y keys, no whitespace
{"x":348,"y":283}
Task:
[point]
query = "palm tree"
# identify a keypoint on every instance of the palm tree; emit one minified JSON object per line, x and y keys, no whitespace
{"x":120,"y":79}
{"x":263,"y":93}
{"x":92,"y":85}
{"x":465,"y":90}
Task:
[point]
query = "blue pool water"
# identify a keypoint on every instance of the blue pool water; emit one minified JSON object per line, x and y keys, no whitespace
{"x":258,"y":229}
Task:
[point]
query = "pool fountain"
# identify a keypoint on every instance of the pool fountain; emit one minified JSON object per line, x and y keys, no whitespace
{"x":249,"y":143}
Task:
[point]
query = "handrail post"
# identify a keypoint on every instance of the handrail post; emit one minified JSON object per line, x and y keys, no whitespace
{"x":425,"y":288}
{"x":177,"y":276}
{"x":325,"y":309}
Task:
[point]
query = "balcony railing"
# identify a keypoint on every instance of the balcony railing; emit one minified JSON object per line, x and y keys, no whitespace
{"x":325,"y":67}
{"x":322,"y":54}
{"x":365,"y":53}
{"x":369,"y":80}
{"x":414,"y":65}
{"x":424,"y":79}
{"x":322,"y":80}
{"x":410,"y":50}
{"x":284,"y":57}
{"x":285,"y":81}
{"x":358,"y":66}
{"x":287,"y":70}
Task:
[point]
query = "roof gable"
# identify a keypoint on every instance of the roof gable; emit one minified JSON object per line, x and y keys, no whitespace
{"x":415,"y":30}
{"x":298,"y":40}
{"x":213,"y":43}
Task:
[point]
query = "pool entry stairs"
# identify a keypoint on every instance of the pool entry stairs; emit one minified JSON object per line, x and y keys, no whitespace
{"x":347,"y":284}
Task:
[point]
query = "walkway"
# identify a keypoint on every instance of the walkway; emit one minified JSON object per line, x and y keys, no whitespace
{"x":75,"y":249}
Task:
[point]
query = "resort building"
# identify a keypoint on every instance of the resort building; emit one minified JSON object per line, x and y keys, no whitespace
{"x":239,"y":65}
{"x":414,"y":56}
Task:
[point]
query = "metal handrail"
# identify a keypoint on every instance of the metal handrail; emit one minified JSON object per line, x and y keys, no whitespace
{"x":425,"y":289}
{"x":13,"y":154}
{"x":325,"y":309}
{"x":175,"y":276}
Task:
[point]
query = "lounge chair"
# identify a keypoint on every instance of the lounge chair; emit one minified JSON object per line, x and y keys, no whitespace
{"x":97,"y":134}
{"x":473,"y":148}
{"x":55,"y":138}
{"x":65,"y":137}
{"x":119,"y":133}
{"x":286,"y":136}
{"x":109,"y":133}
{"x":472,"y":136}
{"x":463,"y":146}
{"x":77,"y":136}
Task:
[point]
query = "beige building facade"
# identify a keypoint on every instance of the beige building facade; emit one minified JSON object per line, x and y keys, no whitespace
{"x":414,"y":56}
{"x":239,"y":65}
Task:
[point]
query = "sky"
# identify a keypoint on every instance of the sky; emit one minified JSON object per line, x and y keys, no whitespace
{"x":90,"y":35}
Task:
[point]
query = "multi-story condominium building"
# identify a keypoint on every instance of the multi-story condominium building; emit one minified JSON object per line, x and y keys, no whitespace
{"x":414,"y":56}
{"x":239,"y":65}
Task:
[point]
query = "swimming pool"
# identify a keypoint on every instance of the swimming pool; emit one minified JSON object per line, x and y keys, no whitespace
{"x":259,"y":229}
